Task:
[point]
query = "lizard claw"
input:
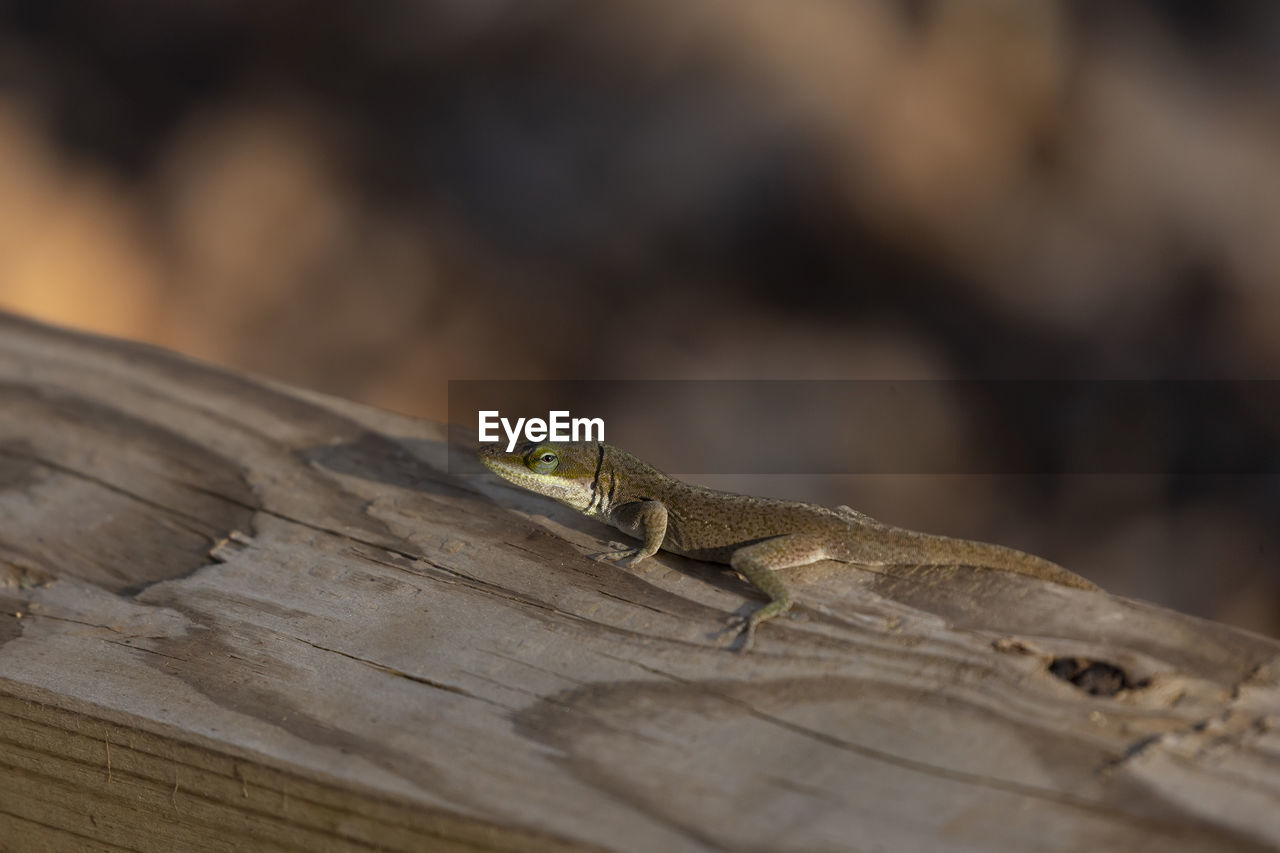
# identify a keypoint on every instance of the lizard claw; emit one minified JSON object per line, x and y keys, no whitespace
{"x":623,"y":552}
{"x":745,"y":627}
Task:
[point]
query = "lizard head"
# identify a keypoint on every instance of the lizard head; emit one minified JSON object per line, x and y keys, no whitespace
{"x":565,"y":471}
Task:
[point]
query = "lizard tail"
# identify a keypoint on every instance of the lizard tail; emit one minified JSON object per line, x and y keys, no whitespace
{"x":1001,"y":558}
{"x":883,"y":544}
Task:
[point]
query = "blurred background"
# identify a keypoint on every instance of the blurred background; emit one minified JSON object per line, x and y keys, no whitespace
{"x":373,"y":198}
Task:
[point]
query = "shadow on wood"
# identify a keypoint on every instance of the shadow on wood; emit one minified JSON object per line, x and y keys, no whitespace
{"x":233,"y":613}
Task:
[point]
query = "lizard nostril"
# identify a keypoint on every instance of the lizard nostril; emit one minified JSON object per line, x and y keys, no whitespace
{"x":1096,"y":678}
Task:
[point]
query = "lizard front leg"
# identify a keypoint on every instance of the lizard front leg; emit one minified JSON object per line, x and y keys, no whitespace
{"x":646,"y":520}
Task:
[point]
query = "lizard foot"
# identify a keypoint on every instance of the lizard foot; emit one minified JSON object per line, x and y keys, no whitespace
{"x":626,"y":554}
{"x":745,"y":627}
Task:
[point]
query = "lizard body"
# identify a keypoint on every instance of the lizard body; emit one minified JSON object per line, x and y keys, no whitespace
{"x":754,"y":535}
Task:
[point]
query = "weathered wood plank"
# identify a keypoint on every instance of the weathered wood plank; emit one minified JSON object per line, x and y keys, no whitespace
{"x":292,"y":629}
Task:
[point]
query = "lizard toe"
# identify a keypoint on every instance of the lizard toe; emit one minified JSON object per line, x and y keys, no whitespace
{"x":622,"y":553}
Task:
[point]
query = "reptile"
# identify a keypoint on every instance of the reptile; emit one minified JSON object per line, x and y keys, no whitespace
{"x":755,"y":536}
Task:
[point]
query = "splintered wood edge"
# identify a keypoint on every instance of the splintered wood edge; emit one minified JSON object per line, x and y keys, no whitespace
{"x":75,"y":777}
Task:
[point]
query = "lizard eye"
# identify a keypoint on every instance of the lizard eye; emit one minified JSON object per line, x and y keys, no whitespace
{"x":544,"y":462}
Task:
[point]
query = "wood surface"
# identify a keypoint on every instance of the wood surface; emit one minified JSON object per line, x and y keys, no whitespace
{"x":238,"y":616}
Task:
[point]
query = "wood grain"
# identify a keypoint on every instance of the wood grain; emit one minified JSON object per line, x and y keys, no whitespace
{"x":240,"y":616}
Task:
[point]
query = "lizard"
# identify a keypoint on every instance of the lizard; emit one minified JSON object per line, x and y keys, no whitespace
{"x":755,"y":536}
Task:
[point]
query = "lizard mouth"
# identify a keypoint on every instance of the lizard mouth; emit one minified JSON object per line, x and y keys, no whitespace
{"x":498,"y":461}
{"x":510,"y":467}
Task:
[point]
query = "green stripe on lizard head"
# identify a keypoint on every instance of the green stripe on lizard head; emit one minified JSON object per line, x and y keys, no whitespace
{"x":565,"y":471}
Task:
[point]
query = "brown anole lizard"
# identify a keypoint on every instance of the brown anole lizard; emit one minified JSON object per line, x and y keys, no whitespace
{"x":755,"y":536}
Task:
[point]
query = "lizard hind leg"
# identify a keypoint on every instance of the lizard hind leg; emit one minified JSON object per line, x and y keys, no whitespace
{"x":758,"y":562}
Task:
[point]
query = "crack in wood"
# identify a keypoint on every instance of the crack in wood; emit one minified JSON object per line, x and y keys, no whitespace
{"x":399,"y":673}
{"x":203,"y":529}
